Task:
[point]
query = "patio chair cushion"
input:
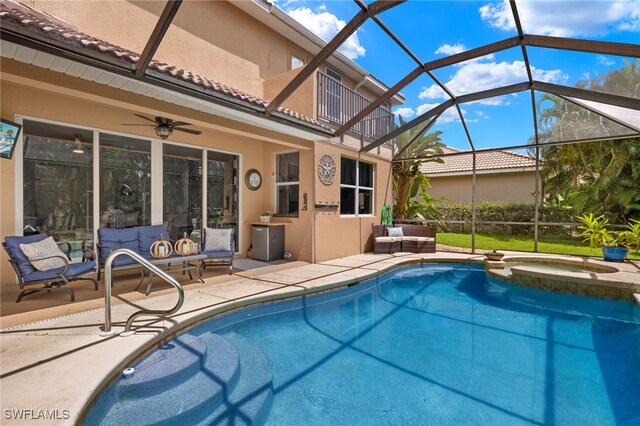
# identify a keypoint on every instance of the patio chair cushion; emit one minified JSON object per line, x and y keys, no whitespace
{"x":42,"y":249}
{"x":411,"y":238}
{"x":217,"y":253}
{"x":75,"y":269}
{"x":13,"y":244}
{"x":113,"y":239}
{"x":147,"y":235}
{"x":394,"y":232}
{"x":388,"y":239}
{"x":217,"y":239}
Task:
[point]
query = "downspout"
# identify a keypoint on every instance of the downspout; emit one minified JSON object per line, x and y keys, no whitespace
{"x":357,"y":86}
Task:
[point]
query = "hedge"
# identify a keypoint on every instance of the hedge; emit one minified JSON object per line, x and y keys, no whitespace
{"x":507,"y":212}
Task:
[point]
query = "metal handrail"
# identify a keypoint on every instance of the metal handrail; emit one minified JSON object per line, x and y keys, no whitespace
{"x":108,"y":272}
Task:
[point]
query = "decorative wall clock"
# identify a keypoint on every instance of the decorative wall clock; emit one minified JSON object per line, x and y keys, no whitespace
{"x":253,"y":179}
{"x":326,"y":169}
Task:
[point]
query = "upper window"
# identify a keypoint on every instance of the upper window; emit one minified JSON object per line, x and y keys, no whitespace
{"x":356,"y":187}
{"x":287,"y":184}
{"x":334,"y":74}
{"x":296,"y":62}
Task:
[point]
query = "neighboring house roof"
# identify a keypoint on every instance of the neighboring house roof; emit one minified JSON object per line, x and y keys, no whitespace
{"x":43,"y":24}
{"x":462,"y":163}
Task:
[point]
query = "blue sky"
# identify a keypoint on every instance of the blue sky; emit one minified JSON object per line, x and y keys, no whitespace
{"x":434,"y":29}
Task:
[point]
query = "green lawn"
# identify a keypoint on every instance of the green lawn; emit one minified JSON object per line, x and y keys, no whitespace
{"x":517,"y":243}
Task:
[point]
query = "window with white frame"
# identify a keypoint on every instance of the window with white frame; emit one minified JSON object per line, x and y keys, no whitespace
{"x":287,"y":184}
{"x":356,"y":187}
{"x":296,"y":62}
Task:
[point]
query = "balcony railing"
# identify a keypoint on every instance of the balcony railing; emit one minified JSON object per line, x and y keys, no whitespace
{"x":338,"y":104}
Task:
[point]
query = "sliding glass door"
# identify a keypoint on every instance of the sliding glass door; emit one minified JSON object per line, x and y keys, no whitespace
{"x":58,"y":182}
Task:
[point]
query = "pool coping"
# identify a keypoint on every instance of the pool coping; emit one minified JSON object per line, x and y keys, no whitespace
{"x":85,"y":363}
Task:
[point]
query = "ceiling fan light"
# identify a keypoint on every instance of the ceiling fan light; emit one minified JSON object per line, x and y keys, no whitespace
{"x":164,"y":131}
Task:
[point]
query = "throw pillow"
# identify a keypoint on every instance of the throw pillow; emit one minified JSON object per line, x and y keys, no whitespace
{"x":41,"y":249}
{"x":217,"y":239}
{"x":395,"y":232}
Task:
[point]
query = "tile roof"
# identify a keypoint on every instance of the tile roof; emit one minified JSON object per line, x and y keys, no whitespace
{"x":56,"y":29}
{"x":490,"y":160}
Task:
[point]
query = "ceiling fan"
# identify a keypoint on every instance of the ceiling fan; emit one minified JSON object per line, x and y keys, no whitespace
{"x":164,"y":126}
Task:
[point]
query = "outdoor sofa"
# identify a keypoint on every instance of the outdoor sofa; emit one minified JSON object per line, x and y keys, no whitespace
{"x":410,"y":238}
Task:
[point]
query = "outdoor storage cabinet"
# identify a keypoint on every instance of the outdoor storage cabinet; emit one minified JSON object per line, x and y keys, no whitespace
{"x":267,"y":241}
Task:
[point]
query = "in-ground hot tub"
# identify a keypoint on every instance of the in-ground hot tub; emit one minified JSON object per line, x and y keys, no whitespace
{"x":584,"y":277}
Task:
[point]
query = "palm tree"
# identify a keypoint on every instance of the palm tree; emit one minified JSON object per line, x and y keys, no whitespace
{"x":408,"y":180}
{"x":601,"y":176}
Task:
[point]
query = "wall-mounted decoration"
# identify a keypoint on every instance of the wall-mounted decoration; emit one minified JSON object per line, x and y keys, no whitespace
{"x":9,"y":132}
{"x":326,"y":169}
{"x":253,"y":179}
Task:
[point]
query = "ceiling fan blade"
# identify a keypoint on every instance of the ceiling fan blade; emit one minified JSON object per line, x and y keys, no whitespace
{"x":145,"y":118}
{"x":193,"y":132}
{"x":181,"y":123}
{"x":131,"y":124}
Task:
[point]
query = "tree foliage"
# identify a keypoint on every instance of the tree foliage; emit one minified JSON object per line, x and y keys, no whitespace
{"x":408,"y":180}
{"x":601,"y":177}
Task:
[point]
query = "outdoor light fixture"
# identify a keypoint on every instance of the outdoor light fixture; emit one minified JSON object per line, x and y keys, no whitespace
{"x":78,"y":149}
{"x":163,"y":131}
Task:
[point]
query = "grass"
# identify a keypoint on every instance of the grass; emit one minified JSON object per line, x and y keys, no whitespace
{"x":519,"y":243}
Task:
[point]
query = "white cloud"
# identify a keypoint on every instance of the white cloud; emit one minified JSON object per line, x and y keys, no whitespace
{"x":566,"y":18}
{"x":404,"y":112}
{"x":475,"y":76}
{"x":605,"y":60}
{"x":482,"y":115}
{"x":326,"y":25}
{"x":448,"y":49}
{"x":449,"y":116}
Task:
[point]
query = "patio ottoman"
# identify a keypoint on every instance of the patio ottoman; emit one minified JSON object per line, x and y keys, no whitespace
{"x":418,"y":244}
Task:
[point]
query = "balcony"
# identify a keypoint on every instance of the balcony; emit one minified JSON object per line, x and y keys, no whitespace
{"x":337,"y":104}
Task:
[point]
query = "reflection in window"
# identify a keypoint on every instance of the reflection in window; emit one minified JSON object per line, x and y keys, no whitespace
{"x":296,"y":62}
{"x":356,"y":187}
{"x":125,"y":181}
{"x":287,"y":184}
{"x":222,"y":191}
{"x":58,"y":182}
{"x":182,"y":189}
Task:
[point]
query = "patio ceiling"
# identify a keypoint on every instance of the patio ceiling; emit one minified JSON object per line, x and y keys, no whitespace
{"x":621,"y":109}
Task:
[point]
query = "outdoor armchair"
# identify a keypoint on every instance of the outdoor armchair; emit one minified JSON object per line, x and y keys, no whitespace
{"x":53,"y":279}
{"x":219,"y":247}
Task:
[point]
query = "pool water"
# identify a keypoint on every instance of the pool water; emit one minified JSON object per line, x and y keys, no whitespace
{"x":427,"y":344}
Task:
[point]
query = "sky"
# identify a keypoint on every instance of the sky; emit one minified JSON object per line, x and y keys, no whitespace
{"x":435,"y":29}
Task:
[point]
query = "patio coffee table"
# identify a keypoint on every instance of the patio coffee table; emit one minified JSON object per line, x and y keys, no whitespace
{"x":183,"y":263}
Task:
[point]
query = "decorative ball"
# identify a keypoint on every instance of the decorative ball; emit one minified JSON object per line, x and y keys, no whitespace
{"x":184,"y":247}
{"x":160,"y":249}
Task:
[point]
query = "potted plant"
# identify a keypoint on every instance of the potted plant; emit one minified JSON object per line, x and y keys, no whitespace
{"x":265,"y":216}
{"x":615,"y":244}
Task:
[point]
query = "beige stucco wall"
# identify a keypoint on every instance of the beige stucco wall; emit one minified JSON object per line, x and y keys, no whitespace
{"x":515,"y":187}
{"x":302,"y":100}
{"x":342,"y":236}
{"x":212,"y":38}
{"x":48,"y":95}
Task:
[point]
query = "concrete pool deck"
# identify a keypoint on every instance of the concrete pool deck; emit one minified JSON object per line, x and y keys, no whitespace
{"x":52,"y":368}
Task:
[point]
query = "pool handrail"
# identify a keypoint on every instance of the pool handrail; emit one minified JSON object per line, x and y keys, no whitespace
{"x":108,"y":270}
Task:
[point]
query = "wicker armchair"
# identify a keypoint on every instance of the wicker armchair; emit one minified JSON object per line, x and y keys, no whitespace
{"x":383,"y":244}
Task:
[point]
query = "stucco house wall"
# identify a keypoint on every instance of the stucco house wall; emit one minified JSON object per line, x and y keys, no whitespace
{"x":518,"y":187}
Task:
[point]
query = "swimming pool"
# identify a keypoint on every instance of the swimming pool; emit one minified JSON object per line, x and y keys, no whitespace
{"x":440,"y":344}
